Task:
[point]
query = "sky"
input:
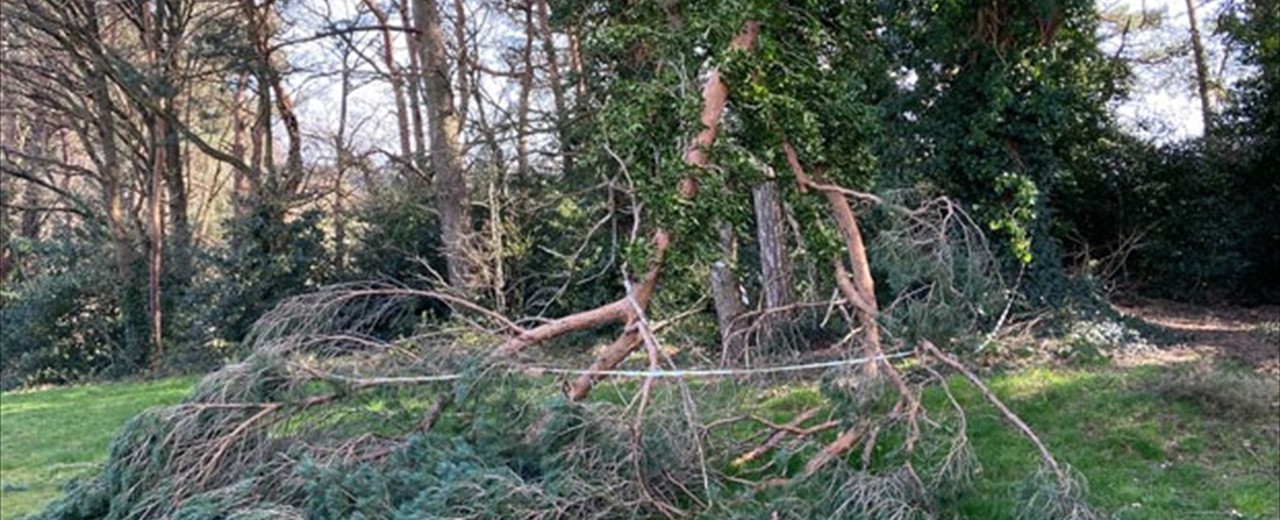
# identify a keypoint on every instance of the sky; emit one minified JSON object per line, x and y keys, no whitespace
{"x":1163,"y":104}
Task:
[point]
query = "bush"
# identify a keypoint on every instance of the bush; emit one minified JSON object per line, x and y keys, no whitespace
{"x":62,"y":324}
{"x":400,"y":239}
{"x":1189,"y":221}
{"x":268,"y":260}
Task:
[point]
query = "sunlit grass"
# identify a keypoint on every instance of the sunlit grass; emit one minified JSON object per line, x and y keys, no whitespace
{"x":48,"y":437}
{"x":1143,"y":456}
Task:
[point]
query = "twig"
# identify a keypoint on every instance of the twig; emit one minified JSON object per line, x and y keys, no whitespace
{"x":780,"y":431}
{"x":1004,"y":410}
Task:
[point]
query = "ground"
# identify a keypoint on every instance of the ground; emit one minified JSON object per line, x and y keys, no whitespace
{"x":1153,"y":439}
{"x":1247,"y":335}
{"x":50,"y":436}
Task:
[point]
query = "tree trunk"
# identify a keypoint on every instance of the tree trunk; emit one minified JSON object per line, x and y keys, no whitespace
{"x":132,"y":307}
{"x":342,"y":162}
{"x":554,"y":82}
{"x":728,"y":303}
{"x":415,"y":90}
{"x":725,"y":287}
{"x":775,"y":264}
{"x":1202,"y":68}
{"x":37,"y":146}
{"x":526,"y":88}
{"x":156,"y":260}
{"x":463,"y":61}
{"x":153,"y":16}
{"x":170,"y":30}
{"x":242,"y":185}
{"x":452,"y":198}
{"x":726,"y":294}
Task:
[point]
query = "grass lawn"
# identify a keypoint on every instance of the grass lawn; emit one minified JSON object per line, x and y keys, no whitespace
{"x":1145,"y":456}
{"x":48,"y":437}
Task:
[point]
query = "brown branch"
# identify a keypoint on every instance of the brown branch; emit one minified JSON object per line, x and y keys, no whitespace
{"x":780,"y":432}
{"x":715,"y":96}
{"x":631,"y":337}
{"x":1004,"y":410}
{"x":833,"y":450}
{"x":619,"y":310}
{"x":862,"y":293}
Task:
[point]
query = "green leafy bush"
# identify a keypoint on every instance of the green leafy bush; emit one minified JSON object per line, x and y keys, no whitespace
{"x":267,"y":261}
{"x":63,"y":324}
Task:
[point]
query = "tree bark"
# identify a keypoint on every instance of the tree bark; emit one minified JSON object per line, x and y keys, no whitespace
{"x":463,"y":61}
{"x":171,"y":29}
{"x":725,"y":286}
{"x":554,"y":82}
{"x":131,"y":306}
{"x":858,"y":288}
{"x":414,"y":85}
{"x":152,"y":16}
{"x":715,"y":97}
{"x":775,"y":264}
{"x":526,"y":88}
{"x":727,"y":299}
{"x":1202,"y":67}
{"x":452,"y":197}
{"x":37,"y":146}
{"x":244,"y":180}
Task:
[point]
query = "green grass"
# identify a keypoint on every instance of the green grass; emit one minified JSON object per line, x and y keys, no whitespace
{"x":1143,"y":456}
{"x":48,"y":437}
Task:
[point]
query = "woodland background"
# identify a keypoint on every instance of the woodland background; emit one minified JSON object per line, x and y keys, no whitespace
{"x":161,"y":190}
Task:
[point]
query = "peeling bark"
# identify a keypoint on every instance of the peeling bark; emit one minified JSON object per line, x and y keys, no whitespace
{"x":629,"y":308}
{"x":725,"y":286}
{"x":715,"y":96}
{"x":858,"y":288}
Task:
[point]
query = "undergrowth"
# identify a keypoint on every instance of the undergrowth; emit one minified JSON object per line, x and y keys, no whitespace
{"x":1238,"y":395}
{"x":1144,"y":457}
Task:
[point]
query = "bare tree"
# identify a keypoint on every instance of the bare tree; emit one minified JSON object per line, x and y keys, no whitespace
{"x":452,"y":197}
{"x":396,"y":77}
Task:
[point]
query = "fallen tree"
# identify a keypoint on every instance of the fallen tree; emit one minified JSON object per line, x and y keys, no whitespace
{"x":327,"y":420}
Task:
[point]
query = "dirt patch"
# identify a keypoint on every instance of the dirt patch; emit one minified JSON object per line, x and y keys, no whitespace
{"x":1248,"y":334}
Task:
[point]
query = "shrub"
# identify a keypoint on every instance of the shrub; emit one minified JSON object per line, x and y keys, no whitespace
{"x":62,"y":324}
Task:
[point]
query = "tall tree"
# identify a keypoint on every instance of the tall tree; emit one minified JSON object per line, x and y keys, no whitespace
{"x":452,"y":198}
{"x":1201,"y":67}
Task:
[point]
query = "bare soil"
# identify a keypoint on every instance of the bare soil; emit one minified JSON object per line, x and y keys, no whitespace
{"x":1250,"y":335}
